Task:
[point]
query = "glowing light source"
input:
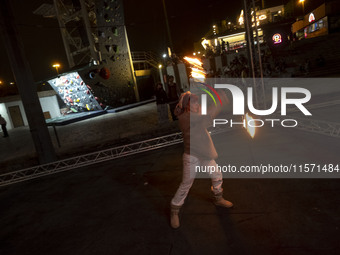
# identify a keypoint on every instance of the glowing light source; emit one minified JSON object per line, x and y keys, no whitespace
{"x":241,"y":18}
{"x":311,"y":17}
{"x":160,"y":66}
{"x":277,"y":38}
{"x":56,"y":66}
{"x":262,"y":17}
{"x":303,"y":6}
{"x":204,"y":43}
{"x":164,"y":55}
{"x":250,"y":129}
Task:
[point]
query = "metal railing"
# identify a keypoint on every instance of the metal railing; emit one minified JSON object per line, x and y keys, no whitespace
{"x":90,"y":159}
{"x":145,"y":56}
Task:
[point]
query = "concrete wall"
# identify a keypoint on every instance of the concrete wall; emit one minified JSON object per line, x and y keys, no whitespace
{"x":183,"y":76}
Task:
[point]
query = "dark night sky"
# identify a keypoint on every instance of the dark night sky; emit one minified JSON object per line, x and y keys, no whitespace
{"x":189,"y":21}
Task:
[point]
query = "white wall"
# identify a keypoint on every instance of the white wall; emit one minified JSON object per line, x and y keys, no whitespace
{"x":4,"y":114}
{"x":184,"y":84}
{"x":50,"y":104}
{"x":183,"y":76}
{"x":170,"y":71}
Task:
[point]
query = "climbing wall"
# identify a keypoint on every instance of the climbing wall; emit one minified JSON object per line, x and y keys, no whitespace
{"x":97,"y":48}
{"x":111,"y":81}
{"x":76,"y":94}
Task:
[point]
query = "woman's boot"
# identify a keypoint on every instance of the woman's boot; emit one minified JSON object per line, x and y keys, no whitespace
{"x":220,"y":201}
{"x":174,"y":220}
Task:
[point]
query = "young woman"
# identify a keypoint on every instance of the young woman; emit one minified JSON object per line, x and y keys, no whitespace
{"x":199,"y":150}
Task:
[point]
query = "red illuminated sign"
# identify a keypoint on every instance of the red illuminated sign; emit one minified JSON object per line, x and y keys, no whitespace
{"x":311,"y":17}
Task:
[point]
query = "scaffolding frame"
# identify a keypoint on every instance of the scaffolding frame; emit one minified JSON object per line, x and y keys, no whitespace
{"x":90,"y":159}
{"x":319,"y":127}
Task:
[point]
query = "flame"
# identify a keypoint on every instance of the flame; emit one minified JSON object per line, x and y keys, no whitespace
{"x":197,"y":73}
{"x":197,"y":70}
{"x":250,"y":130}
{"x":194,"y":61}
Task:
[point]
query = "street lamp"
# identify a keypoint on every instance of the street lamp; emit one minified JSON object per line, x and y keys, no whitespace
{"x":303,"y":6}
{"x":56,"y":66}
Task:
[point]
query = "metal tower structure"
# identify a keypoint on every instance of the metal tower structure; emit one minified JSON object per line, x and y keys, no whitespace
{"x":96,"y":43}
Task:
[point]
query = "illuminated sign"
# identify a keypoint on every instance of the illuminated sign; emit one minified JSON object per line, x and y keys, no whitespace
{"x":311,"y":17}
{"x":277,"y":39}
{"x":262,"y":17}
{"x":241,"y":18}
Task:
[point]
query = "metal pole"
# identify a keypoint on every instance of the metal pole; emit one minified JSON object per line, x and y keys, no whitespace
{"x":167,"y":26}
{"x":25,"y":82}
{"x":250,"y":46}
{"x":246,"y":24}
{"x":260,"y":59}
{"x":177,"y":78}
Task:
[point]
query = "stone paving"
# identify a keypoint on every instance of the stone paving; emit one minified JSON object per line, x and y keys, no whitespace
{"x":122,"y":206}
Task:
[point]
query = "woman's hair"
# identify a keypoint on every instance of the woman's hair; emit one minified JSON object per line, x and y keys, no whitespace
{"x":184,"y":102}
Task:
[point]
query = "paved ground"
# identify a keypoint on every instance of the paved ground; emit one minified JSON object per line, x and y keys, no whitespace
{"x":104,"y":131}
{"x":122,"y":207}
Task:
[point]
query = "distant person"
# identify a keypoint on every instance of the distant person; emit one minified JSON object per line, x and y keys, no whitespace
{"x":161,"y":101}
{"x":199,"y":150}
{"x":172,"y":96}
{"x":3,"y":124}
{"x":223,"y":46}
